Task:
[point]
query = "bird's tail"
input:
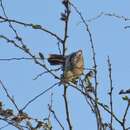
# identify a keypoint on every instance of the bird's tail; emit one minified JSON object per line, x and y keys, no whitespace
{"x":55,"y":59}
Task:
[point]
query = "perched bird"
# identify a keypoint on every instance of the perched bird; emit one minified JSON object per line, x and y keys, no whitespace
{"x":73,"y":65}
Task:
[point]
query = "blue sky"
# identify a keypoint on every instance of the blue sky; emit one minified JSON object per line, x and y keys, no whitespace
{"x":110,"y":39}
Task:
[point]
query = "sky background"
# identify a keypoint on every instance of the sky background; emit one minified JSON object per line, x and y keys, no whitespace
{"x":110,"y":39}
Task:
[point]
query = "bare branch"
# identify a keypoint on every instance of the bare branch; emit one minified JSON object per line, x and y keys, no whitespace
{"x":66,"y":108}
{"x":125,"y":114}
{"x":8,"y":95}
{"x":10,"y":24}
{"x":97,"y":111}
{"x":39,"y":75}
{"x":4,"y":126}
{"x":27,"y":51}
{"x":33,"y":26}
{"x":33,"y":99}
{"x":18,"y":58}
{"x":16,"y":125}
{"x":114,"y":15}
{"x":110,"y":93}
{"x":126,"y":27}
{"x":54,"y":113}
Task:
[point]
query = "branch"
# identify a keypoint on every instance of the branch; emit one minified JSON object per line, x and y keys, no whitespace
{"x":33,"y":99}
{"x":65,"y":15}
{"x":12,"y":123}
{"x":126,"y":27}
{"x":18,"y":58}
{"x":10,"y":24}
{"x":27,"y":51}
{"x":125,"y":114}
{"x":54,"y":114}
{"x":110,"y":93}
{"x":33,"y":26}
{"x":66,"y":108}
{"x":4,"y":126}
{"x":97,"y":102}
{"x":65,"y":18}
{"x":109,"y":15}
{"x":97,"y":111}
{"x":8,"y":95}
{"x":39,"y":75}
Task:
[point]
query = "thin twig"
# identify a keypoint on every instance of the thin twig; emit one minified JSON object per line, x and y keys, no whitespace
{"x":39,"y":75}
{"x":16,"y":125}
{"x":110,"y":15}
{"x":59,"y":49}
{"x":18,"y":58}
{"x":54,"y":114}
{"x":33,"y":26}
{"x":125,"y":114}
{"x":126,"y":27}
{"x":33,"y":99}
{"x":97,"y":111}
{"x":27,"y":51}
{"x":10,"y":24}
{"x":66,"y":108}
{"x":8,"y":95}
{"x":97,"y":102}
{"x":67,"y":12}
{"x":110,"y":93}
{"x":4,"y":126}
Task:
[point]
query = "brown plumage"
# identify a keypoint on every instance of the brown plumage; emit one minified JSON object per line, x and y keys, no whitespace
{"x":73,"y":65}
{"x":55,"y":59}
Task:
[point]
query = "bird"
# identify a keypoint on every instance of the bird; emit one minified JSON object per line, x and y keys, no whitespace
{"x":73,"y":65}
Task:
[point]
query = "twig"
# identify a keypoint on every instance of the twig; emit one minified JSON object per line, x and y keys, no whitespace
{"x":27,"y":51}
{"x":19,"y":127}
{"x":33,"y":99}
{"x":33,"y":26}
{"x":110,"y":15}
{"x":54,"y":114}
{"x":117,"y":16}
{"x":110,"y":93}
{"x":59,"y":49}
{"x":39,"y":75}
{"x":8,"y":95}
{"x":125,"y":114}
{"x":66,"y":15}
{"x":92,"y":45}
{"x":10,"y":24}
{"x":18,"y":58}
{"x":50,"y":106}
{"x":97,"y":102}
{"x":4,"y":126}
{"x":96,"y":17}
{"x":126,"y":27}
{"x":97,"y":111}
{"x":66,"y":108}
